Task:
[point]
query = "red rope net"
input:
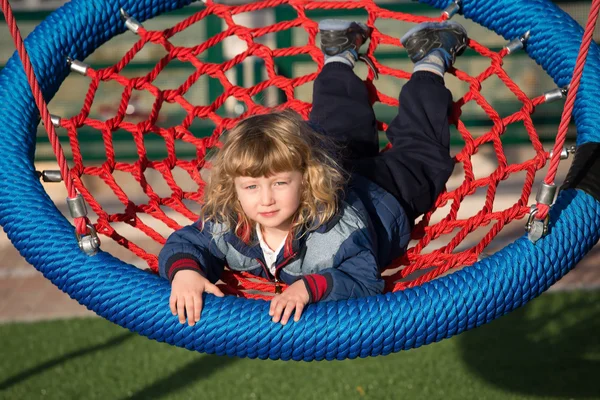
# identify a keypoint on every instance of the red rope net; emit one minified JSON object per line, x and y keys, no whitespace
{"x":427,"y":263}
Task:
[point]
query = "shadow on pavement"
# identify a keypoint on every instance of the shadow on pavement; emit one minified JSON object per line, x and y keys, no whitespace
{"x":113,"y":342}
{"x":187,"y":375}
{"x":552,"y":354}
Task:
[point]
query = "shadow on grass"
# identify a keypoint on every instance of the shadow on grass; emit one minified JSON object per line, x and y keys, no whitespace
{"x":187,"y":375}
{"x":113,"y":342}
{"x":555,"y":353}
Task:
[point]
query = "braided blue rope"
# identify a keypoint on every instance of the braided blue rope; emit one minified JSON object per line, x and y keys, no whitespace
{"x":365,"y":327}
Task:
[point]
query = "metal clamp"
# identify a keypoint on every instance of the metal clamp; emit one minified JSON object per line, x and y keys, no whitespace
{"x":556,"y":94}
{"x":518,"y":43}
{"x":131,"y":23}
{"x":546,"y":193}
{"x":77,"y":66}
{"x":55,"y":119}
{"x":89,"y":244}
{"x":52,"y":175}
{"x":536,"y":229}
{"x":564,"y":153}
{"x":77,"y":206}
{"x":452,"y":9}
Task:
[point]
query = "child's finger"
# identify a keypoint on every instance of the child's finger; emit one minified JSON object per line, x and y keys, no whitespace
{"x":289,"y":308}
{"x":173,"y":304}
{"x":214,"y":289}
{"x":197,"y":307}
{"x":273,"y":305}
{"x":181,"y":309}
{"x":299,"y":309}
{"x":278,"y":310}
{"x":189,"y":308}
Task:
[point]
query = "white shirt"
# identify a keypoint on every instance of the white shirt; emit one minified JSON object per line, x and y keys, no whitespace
{"x":270,"y":255}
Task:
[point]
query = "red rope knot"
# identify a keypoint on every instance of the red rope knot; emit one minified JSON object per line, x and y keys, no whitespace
{"x":171,"y":161}
{"x":77,"y":170}
{"x":528,"y":106}
{"x":113,"y":123}
{"x":97,"y":75}
{"x":178,"y":193}
{"x":108,"y":167}
{"x":77,"y":121}
{"x":171,"y":95}
{"x":474,"y":86}
{"x":140,"y":166}
{"x":144,"y":126}
{"x":182,"y":53}
{"x":261,"y":50}
{"x":137,"y":83}
{"x":157,"y":37}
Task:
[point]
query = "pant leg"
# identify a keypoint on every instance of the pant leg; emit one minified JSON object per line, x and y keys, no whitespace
{"x":415,"y":170}
{"x":342,"y":109}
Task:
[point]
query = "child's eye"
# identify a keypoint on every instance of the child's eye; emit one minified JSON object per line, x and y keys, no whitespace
{"x":250,"y":187}
{"x":280,"y":183}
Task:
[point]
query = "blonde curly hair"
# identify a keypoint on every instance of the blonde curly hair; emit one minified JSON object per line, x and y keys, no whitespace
{"x":266,"y":144}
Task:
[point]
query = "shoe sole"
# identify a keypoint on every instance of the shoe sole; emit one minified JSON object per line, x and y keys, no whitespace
{"x":436,"y":26}
{"x":429,"y":27}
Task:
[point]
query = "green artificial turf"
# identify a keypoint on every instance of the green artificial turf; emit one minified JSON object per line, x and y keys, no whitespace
{"x":548,"y":349}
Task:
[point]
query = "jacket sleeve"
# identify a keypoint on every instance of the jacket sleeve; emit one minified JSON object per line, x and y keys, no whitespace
{"x":191,"y":248}
{"x":355,"y":274}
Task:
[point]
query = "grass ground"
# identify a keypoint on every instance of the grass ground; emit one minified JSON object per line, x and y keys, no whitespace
{"x":550,"y":349}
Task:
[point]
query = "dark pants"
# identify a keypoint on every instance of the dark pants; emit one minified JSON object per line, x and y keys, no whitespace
{"x":416,"y":168}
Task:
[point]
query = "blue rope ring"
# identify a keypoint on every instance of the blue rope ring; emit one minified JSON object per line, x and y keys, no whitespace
{"x":333,"y":330}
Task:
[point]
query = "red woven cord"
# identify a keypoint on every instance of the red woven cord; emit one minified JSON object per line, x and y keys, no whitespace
{"x":586,"y":41}
{"x":80,"y":222}
{"x":174,"y":209}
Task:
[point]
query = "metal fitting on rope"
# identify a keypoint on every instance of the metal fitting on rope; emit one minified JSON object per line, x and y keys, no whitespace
{"x":49,"y":176}
{"x":518,"y":43}
{"x":89,"y":244}
{"x":55,"y":120}
{"x":536,"y":229}
{"x":452,"y":9}
{"x":77,"y":66}
{"x":556,"y":94}
{"x":77,"y":206}
{"x":565,"y":152}
{"x":131,"y":23}
{"x":546,"y":194}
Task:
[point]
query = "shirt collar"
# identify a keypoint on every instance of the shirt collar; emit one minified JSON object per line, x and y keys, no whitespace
{"x":264,"y":244}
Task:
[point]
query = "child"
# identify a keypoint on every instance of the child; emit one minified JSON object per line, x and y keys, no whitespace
{"x":274,"y":205}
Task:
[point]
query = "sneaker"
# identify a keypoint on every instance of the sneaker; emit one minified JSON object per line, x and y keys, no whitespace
{"x":344,"y":38}
{"x":338,"y":36}
{"x":448,"y":36}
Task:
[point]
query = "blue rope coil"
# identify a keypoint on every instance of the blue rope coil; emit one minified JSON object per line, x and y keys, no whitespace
{"x":364,"y":327}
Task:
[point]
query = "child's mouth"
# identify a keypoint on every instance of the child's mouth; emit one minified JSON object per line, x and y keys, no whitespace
{"x":269,"y":214}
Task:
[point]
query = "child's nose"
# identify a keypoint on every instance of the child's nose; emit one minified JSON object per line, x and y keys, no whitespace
{"x":267,"y":197}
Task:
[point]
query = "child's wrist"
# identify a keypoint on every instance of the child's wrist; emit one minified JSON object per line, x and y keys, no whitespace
{"x":182,"y":263}
{"x":317,"y":286}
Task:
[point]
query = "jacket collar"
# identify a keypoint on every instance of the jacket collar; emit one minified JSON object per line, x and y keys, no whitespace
{"x":298,"y":242}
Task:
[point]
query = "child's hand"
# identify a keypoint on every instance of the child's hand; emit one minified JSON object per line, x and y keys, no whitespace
{"x":294,"y":297}
{"x":186,"y":295}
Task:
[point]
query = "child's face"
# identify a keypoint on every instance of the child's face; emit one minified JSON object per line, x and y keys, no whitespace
{"x":270,"y":201}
